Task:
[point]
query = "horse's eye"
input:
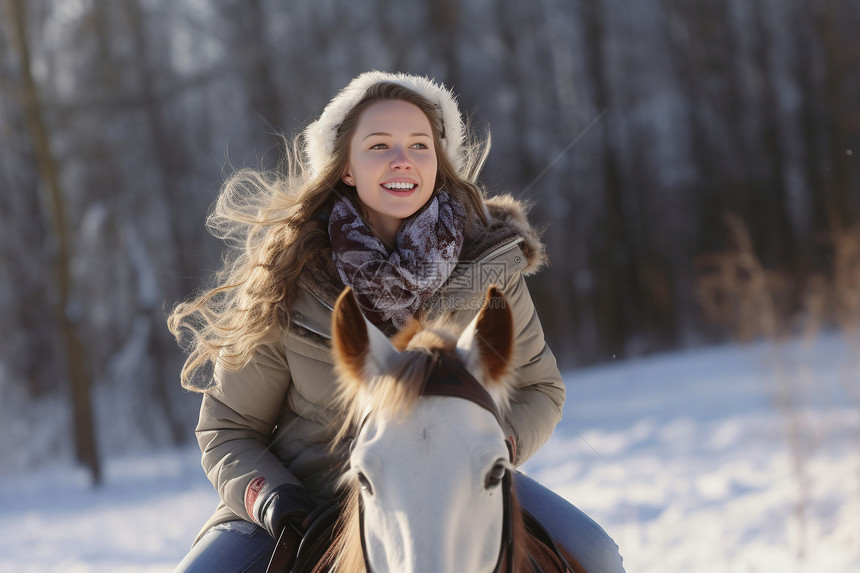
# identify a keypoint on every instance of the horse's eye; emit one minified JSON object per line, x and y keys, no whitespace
{"x":364,"y":484}
{"x":496,"y":475}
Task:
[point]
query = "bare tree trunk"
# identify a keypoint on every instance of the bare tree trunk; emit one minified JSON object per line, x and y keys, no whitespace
{"x":840,"y":58}
{"x":263,"y":91}
{"x":76,"y":353}
{"x":444,"y":21}
{"x":618,"y":283}
{"x":772,"y":232}
{"x":167,"y":165}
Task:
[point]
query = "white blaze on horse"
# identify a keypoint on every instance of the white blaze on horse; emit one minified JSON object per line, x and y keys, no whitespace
{"x":428,"y":488}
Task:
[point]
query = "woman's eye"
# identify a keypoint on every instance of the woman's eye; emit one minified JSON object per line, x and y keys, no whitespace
{"x":420,"y":146}
{"x":379,"y":146}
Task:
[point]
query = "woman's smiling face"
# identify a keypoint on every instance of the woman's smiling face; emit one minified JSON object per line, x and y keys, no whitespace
{"x":392,"y":164}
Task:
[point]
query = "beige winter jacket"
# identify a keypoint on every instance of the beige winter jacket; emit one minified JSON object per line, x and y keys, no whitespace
{"x":269,"y":419}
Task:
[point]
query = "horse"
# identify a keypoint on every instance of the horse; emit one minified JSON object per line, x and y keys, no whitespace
{"x":429,"y":481}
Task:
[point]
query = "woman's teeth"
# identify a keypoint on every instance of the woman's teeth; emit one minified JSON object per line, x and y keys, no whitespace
{"x":409,"y":186}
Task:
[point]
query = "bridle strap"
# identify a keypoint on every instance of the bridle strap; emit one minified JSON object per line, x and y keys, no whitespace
{"x":361,"y":534}
{"x":452,"y":379}
{"x":506,"y":551}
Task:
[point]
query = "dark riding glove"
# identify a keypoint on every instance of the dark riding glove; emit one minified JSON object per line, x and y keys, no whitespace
{"x":282,"y":506}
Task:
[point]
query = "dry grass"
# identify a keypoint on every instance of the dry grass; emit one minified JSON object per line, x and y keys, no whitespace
{"x":750,"y":302}
{"x":738,"y":294}
{"x":735,"y":291}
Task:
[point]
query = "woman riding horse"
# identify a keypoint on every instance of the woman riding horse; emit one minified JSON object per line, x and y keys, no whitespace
{"x":378,"y":194}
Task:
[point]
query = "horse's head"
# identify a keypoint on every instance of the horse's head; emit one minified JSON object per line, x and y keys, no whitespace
{"x":427,"y":470}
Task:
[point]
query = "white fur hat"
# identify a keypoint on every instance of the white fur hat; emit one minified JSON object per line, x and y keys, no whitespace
{"x":320,"y":135}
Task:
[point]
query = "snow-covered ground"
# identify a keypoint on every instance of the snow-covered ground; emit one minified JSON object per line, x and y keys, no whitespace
{"x":732,"y":459}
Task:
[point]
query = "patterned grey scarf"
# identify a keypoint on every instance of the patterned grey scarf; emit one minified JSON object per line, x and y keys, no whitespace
{"x":393,"y":286}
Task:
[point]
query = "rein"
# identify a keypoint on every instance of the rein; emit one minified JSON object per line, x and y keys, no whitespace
{"x":451,"y":379}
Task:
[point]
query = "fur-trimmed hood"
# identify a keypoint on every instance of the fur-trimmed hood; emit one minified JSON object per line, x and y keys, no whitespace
{"x":506,"y":223}
{"x":320,"y":135}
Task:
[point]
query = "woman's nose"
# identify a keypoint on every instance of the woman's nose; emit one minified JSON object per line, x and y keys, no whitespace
{"x":400,"y":160}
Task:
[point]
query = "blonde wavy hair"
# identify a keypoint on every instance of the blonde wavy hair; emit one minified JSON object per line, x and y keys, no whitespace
{"x":271,"y":224}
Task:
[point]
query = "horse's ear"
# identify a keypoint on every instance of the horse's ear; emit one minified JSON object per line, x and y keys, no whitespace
{"x":489,"y":340}
{"x":360,"y":350}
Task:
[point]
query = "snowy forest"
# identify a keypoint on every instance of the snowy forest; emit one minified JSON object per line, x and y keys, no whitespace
{"x":694,"y":164}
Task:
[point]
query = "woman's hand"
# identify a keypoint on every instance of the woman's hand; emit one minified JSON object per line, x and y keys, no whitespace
{"x":284,"y":505}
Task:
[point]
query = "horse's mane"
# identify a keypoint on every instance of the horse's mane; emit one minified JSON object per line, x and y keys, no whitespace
{"x":398,"y":388}
{"x":395,"y":392}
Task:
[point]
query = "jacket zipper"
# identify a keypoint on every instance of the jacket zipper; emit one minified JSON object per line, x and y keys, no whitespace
{"x":309,"y":329}
{"x":503,"y":249}
{"x":319,"y":300}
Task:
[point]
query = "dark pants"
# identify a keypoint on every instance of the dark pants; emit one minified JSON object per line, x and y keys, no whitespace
{"x":243,"y":547}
